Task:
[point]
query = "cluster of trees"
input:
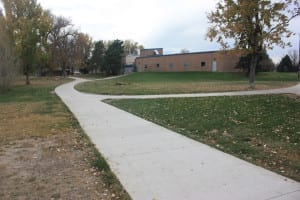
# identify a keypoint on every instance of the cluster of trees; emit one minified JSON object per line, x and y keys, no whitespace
{"x":289,"y":63}
{"x":264,"y":63}
{"x":252,"y":26}
{"x":108,"y":56}
{"x":39,"y":42}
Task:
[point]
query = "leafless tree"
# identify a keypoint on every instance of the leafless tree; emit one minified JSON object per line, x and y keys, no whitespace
{"x":131,"y":47}
{"x":293,"y":54}
{"x":60,"y":43}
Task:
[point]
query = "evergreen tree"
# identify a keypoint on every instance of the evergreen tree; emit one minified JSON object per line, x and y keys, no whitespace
{"x":114,"y":58}
{"x":97,"y":60}
{"x":285,"y":64}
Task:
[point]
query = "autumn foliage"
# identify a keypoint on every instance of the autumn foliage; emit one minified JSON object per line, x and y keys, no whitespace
{"x":252,"y":26}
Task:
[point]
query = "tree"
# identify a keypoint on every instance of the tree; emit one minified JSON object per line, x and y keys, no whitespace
{"x":81,"y":51}
{"x":97,"y":59}
{"x":61,"y":44}
{"x":253,"y":26}
{"x":67,"y":48}
{"x":107,"y":43}
{"x":131,"y":47}
{"x":285,"y":64}
{"x":113,"y":58}
{"x":295,"y":59}
{"x":28,"y":26}
{"x":264,"y":63}
{"x":8,"y":64}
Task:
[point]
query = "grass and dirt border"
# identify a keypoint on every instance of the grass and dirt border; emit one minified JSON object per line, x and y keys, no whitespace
{"x":39,"y":99}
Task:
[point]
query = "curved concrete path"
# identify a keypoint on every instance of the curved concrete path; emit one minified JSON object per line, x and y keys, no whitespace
{"x":154,"y":163}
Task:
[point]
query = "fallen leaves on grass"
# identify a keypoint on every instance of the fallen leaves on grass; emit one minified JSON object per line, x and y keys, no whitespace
{"x":261,"y":129}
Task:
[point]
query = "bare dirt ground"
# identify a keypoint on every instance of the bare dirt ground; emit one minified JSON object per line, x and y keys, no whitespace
{"x":45,"y":155}
{"x":49,"y":168}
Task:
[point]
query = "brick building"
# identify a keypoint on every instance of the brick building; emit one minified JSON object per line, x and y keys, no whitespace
{"x":153,"y":60}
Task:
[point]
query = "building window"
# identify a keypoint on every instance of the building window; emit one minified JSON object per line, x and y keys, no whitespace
{"x":203,"y":64}
{"x":146,"y":66}
{"x":171,"y":65}
{"x":186,"y":64}
{"x":157,"y":65}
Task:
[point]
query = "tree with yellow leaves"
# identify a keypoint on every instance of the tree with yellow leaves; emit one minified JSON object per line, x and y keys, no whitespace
{"x":253,"y":26}
{"x":28,"y":25}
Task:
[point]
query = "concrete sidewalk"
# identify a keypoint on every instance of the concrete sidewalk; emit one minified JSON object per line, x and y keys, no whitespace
{"x":155,"y":163}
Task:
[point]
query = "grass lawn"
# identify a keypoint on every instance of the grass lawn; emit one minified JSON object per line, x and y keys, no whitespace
{"x":44,"y":153}
{"x":185,"y":82}
{"x":264,"y":130}
{"x":91,"y":76}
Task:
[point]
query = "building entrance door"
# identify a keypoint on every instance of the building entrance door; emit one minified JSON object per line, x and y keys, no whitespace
{"x":214,"y":66}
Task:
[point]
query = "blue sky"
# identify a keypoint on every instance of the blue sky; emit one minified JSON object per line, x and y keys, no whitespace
{"x":170,"y":24}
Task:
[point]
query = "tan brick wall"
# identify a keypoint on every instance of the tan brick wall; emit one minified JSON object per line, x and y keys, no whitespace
{"x":226,"y":62}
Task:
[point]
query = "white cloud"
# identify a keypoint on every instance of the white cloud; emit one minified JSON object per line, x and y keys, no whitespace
{"x":171,"y":24}
{"x":136,"y":19}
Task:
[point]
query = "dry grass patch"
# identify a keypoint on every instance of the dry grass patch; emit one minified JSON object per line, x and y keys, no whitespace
{"x":19,"y":121}
{"x":43,"y":152}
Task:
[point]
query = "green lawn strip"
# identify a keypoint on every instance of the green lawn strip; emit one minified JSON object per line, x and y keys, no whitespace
{"x":38,"y":91}
{"x":91,"y":76}
{"x":264,"y":130}
{"x":42,"y":91}
{"x":183,"y":82}
{"x":277,"y":76}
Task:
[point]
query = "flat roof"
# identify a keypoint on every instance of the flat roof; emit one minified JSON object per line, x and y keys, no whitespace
{"x":151,"y":49}
{"x":179,"y":54}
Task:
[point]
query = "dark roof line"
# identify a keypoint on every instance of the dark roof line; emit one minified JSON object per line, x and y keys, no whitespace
{"x":178,"y":54}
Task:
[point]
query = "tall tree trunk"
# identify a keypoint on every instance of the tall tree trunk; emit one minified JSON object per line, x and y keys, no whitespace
{"x":27,"y":75}
{"x":27,"y":79}
{"x":64,"y":69}
{"x":254,"y":60}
